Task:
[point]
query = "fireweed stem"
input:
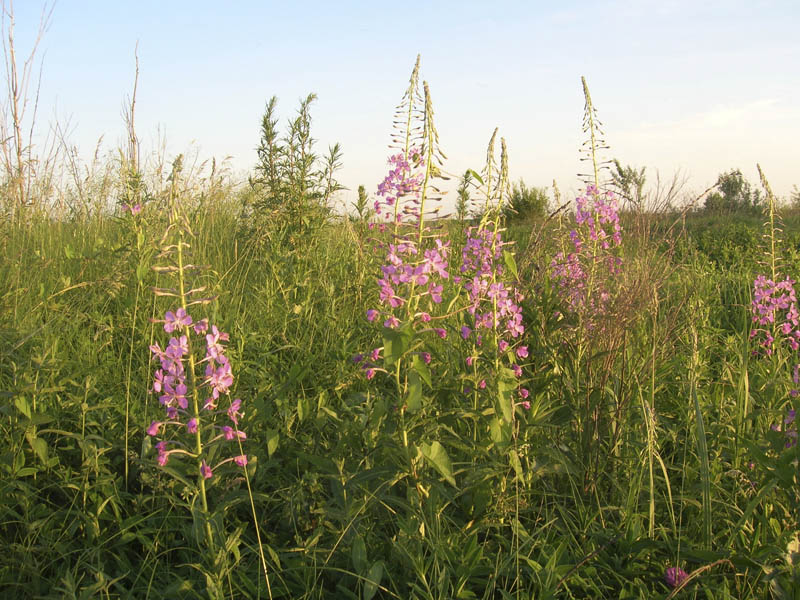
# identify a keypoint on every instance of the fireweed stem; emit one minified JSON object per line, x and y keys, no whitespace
{"x":195,"y":398}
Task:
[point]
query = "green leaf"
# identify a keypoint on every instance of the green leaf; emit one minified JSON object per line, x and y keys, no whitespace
{"x":437,"y":456}
{"x":23,"y":406}
{"x":273,"y":437}
{"x":395,"y":344}
{"x":301,"y":410}
{"x":373,"y":580}
{"x":505,"y":400}
{"x":477,"y":177}
{"x":500,"y":431}
{"x":511,"y":264}
{"x":422,"y":369}
{"x":359,"y":555}
{"x":414,"y":399}
{"x":39,"y":447}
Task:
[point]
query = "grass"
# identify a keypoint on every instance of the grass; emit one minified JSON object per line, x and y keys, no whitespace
{"x":333,"y":502}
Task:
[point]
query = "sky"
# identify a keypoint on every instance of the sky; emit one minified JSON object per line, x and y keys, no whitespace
{"x":690,"y":87}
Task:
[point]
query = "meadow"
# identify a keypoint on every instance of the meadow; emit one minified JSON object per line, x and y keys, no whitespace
{"x":216,"y":389}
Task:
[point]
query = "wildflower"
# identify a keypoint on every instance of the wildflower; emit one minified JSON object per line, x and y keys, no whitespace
{"x":465,"y":331}
{"x":191,"y":425}
{"x":176,"y":320}
{"x":205,"y":470}
{"x":426,"y":357}
{"x":233,"y":411}
{"x":522,"y":352}
{"x":201,"y":327}
{"x":230,"y":433}
{"x":441,"y":332}
{"x":392,"y":322}
{"x":154,"y":428}
{"x":526,"y":404}
{"x":372,"y":314}
{"x":524,"y":393}
{"x":674,"y":576}
{"x":241,"y":460}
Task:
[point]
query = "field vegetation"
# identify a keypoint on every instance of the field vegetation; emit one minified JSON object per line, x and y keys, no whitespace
{"x":222,"y":389}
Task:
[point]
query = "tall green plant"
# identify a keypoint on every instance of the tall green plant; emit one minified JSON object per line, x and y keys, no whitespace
{"x":292,"y":183}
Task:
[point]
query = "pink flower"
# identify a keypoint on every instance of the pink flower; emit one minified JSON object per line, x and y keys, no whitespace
{"x":205,"y":470}
{"x":372,"y":314}
{"x":441,"y":332}
{"x":154,"y":428}
{"x":522,"y":352}
{"x":674,"y":576}
{"x":191,"y":425}
{"x":176,"y":320}
{"x":241,"y":460}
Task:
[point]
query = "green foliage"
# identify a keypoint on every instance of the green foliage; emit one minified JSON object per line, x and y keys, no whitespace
{"x":525,"y":203}
{"x":361,"y":205}
{"x":463,"y":196}
{"x":734,"y":195}
{"x":629,"y":183}
{"x":291,"y":182}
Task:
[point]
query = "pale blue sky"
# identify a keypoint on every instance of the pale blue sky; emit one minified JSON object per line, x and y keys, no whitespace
{"x":698,"y":86}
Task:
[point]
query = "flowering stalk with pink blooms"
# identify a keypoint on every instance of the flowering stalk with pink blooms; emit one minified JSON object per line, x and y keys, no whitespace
{"x":193,"y":390}
{"x":493,"y":313}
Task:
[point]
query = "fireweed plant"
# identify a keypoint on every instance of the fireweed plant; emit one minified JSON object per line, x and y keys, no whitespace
{"x":415,"y":270}
{"x":493,"y":325}
{"x":775,"y":316}
{"x":199,"y":433}
{"x":586,"y":275}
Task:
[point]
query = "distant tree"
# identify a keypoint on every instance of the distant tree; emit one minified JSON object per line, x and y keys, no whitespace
{"x":463,"y":198}
{"x":794,"y":197}
{"x":734,"y":194}
{"x":629,"y":183}
{"x":525,"y":202}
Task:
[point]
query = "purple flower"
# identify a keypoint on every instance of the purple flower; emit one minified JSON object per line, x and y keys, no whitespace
{"x":233,"y":411}
{"x":176,"y":320}
{"x":441,"y":332}
{"x":372,"y":314}
{"x":392,"y":322}
{"x":674,"y":576}
{"x":191,"y":425}
{"x":241,"y":460}
{"x":426,"y":357}
{"x":465,"y":331}
{"x":154,"y":428}
{"x":205,"y":470}
{"x":201,"y":327}
{"x":522,"y":352}
{"x":524,"y":393}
